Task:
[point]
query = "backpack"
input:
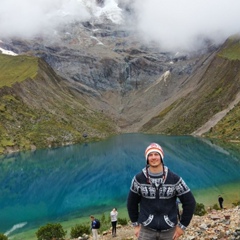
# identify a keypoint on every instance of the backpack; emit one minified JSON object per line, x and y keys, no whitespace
{"x":98,"y":224}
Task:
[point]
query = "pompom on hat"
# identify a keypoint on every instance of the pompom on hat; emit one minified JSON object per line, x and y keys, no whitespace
{"x":154,"y":147}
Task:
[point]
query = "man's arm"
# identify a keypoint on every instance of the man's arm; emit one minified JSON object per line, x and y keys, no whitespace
{"x":188,"y":205}
{"x":132,"y":206}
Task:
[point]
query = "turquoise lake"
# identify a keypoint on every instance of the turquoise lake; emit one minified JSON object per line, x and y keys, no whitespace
{"x":51,"y":184}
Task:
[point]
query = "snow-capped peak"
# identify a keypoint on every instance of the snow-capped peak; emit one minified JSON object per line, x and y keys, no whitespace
{"x":109,"y":10}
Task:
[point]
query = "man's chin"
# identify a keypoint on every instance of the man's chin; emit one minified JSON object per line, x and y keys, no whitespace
{"x":155,"y":165}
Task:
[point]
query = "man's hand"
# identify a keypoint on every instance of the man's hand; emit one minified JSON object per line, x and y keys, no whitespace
{"x":178,"y":232}
{"x":137,"y":230}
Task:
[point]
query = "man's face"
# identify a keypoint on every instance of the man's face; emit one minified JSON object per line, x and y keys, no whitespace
{"x":154,"y":159}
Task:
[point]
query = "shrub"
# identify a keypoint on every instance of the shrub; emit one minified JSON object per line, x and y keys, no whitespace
{"x":3,"y":237}
{"x":103,"y":219}
{"x":79,"y":230}
{"x":122,"y":221}
{"x":50,"y":231}
{"x":200,"y":209}
{"x":236,"y":203}
{"x":105,"y":223}
{"x":215,"y":206}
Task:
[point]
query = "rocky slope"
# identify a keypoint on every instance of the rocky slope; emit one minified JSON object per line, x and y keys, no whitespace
{"x":44,"y":111}
{"x":221,"y":224}
{"x":216,"y":91}
{"x":133,"y":86}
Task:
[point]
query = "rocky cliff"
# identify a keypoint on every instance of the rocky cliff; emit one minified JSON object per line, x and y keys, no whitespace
{"x":104,"y":70}
{"x":44,"y":110}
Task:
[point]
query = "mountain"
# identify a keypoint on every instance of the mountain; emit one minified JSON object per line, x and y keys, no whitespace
{"x":215,"y":93}
{"x":97,"y":78}
{"x":39,"y":109}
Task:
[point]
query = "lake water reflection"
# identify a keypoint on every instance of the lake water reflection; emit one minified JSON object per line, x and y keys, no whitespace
{"x":36,"y":187}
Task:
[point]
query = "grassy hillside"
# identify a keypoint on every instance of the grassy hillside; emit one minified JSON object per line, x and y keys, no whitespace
{"x":229,"y":127}
{"x":16,"y":69}
{"x":215,"y":90}
{"x":231,"y":49}
{"x":38,"y":109}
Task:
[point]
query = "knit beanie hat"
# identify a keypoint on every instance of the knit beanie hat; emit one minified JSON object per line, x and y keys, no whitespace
{"x":154,"y":147}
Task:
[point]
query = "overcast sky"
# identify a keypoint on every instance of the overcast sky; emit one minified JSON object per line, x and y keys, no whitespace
{"x":181,"y":23}
{"x":172,"y":23}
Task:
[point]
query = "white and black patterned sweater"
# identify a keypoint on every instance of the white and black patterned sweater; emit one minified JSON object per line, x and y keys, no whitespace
{"x":157,"y":199}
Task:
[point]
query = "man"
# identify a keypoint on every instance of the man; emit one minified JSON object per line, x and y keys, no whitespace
{"x":220,"y":200}
{"x":113,"y":215}
{"x":152,"y":198}
{"x":94,"y":228}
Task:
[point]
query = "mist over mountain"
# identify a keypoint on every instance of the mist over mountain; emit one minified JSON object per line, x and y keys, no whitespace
{"x":174,"y":25}
{"x":104,"y":67}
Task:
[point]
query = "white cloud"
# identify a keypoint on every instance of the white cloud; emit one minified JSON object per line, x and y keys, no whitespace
{"x":27,"y":18}
{"x":174,"y":24}
{"x":182,"y":23}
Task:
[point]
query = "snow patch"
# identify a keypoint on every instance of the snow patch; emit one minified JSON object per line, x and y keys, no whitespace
{"x":7,"y":52}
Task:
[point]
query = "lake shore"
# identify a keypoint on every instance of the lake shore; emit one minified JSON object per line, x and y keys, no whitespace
{"x":208,"y":197}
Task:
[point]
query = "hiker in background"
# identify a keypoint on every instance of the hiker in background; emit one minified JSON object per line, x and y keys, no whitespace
{"x":220,"y":200}
{"x":113,"y":215}
{"x":94,"y":228}
{"x":152,"y":199}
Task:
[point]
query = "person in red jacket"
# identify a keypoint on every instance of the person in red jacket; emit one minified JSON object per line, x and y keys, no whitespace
{"x":152,"y":199}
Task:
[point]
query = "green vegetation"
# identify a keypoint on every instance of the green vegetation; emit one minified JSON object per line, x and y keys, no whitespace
{"x":55,"y":230}
{"x":216,"y":207}
{"x":17,"y":69}
{"x":200,"y":209}
{"x":43,"y":113}
{"x":122,"y":221}
{"x":236,"y":203}
{"x":232,"y":49}
{"x":3,"y":237}
{"x":228,"y":128}
{"x":79,"y":229}
{"x":217,"y":88}
{"x":69,"y":223}
{"x":155,"y":120}
{"x":106,"y":223}
{"x":22,"y":127}
{"x":51,"y":231}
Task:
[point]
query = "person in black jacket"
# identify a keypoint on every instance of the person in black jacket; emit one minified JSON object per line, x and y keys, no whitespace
{"x":152,"y":198}
{"x":220,"y":201}
{"x":94,"y":227}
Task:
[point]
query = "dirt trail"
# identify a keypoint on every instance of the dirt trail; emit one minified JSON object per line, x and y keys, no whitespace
{"x":216,"y":118}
